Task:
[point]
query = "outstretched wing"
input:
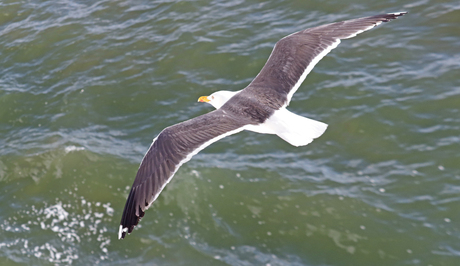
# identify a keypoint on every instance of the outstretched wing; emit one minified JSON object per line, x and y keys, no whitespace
{"x":295,"y":55}
{"x":174,"y":146}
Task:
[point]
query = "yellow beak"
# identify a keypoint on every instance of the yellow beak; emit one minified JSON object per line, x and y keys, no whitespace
{"x":203,"y":99}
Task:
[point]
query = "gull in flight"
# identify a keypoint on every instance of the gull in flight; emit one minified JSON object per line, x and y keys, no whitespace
{"x":260,"y":107}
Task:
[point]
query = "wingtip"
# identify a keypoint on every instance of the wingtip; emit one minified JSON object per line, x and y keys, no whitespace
{"x":398,"y":14}
{"x":390,"y":16}
{"x":122,"y":232}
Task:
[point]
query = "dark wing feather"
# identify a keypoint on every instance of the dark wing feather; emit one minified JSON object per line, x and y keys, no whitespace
{"x":174,"y":146}
{"x":295,"y":55}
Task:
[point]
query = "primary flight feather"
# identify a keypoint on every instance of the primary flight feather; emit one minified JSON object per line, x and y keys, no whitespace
{"x":260,"y":107}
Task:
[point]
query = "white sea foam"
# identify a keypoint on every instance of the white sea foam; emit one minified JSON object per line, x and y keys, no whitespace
{"x":73,"y":148}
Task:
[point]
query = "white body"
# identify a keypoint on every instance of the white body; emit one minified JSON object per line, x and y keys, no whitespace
{"x":294,"y":129}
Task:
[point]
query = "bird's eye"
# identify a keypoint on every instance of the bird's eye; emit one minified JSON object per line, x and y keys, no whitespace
{"x":212,"y":97}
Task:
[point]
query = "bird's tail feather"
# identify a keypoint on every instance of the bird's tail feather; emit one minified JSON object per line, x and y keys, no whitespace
{"x":295,"y":129}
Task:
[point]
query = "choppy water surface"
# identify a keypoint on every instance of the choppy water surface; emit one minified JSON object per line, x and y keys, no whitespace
{"x":85,"y":86}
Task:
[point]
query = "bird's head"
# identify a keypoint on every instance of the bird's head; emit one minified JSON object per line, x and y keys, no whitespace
{"x":218,"y":98}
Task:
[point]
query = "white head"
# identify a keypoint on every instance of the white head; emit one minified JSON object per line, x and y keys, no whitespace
{"x":218,"y":98}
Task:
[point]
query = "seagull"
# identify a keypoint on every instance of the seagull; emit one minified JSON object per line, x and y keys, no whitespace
{"x":260,"y":107}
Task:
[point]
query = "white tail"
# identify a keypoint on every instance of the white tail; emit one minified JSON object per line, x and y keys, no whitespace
{"x":295,"y":129}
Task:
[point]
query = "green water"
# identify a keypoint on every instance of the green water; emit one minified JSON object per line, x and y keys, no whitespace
{"x":85,"y":87}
